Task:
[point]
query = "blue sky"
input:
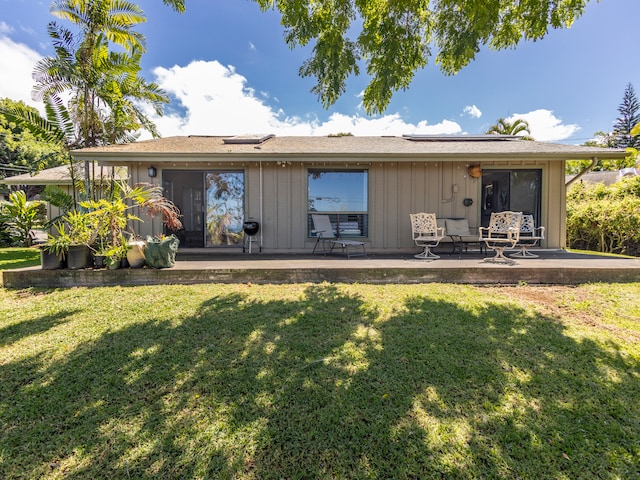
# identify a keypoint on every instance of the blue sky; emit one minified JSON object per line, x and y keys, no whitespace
{"x":228,"y":71}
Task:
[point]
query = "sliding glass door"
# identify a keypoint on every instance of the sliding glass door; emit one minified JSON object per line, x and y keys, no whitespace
{"x":211,"y":204}
{"x":225,"y":208}
{"x":515,"y":190}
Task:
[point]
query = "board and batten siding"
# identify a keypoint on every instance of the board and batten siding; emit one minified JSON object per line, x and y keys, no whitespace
{"x":276,"y":196}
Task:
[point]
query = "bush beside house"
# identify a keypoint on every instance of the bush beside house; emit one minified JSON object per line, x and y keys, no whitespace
{"x":605,"y":218}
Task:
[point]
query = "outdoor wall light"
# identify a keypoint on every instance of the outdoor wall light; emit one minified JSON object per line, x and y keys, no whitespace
{"x":152,"y":171}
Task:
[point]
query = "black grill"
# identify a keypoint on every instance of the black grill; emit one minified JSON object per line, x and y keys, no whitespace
{"x":251,"y":227}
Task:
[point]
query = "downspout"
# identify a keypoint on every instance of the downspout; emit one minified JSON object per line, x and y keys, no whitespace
{"x":261,"y":224}
{"x":594,"y":162}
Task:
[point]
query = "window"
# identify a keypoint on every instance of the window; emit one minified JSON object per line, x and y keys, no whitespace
{"x":343,"y":195}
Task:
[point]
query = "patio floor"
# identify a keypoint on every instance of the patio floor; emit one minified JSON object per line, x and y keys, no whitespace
{"x":552,"y":267}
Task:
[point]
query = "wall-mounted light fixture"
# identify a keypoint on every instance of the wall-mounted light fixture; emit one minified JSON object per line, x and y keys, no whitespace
{"x":283,"y":163}
{"x":152,"y":171}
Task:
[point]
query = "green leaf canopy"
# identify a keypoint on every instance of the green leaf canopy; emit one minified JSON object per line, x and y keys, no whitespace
{"x":395,"y":38}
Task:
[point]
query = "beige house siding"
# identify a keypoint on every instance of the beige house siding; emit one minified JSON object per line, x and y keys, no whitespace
{"x":405,"y":175}
{"x":276,"y":196}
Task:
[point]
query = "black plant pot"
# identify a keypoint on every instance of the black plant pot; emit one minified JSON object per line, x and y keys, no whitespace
{"x":79,"y":256}
{"x":50,"y":261}
{"x":98,"y":261}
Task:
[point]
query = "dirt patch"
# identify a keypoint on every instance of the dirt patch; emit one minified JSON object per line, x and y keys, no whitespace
{"x":551,"y":301}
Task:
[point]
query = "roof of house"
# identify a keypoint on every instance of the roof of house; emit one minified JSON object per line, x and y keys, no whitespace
{"x":61,"y":176}
{"x":390,"y":148}
{"x":607,"y":177}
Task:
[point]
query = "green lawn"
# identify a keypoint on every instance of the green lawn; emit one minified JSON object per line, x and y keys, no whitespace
{"x":320,"y":381}
{"x":18,"y":258}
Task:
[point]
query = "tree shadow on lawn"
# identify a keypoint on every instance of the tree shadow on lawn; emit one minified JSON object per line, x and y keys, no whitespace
{"x":326,"y":387}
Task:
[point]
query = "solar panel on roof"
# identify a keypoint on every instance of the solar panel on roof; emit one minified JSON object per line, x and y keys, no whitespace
{"x":461,"y":138}
{"x":248,"y":139}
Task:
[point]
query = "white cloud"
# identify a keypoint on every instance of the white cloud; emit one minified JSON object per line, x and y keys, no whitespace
{"x":216,"y":101}
{"x":544,"y":126}
{"x":211,"y":99}
{"x":4,"y":28}
{"x":16,"y":65}
{"x":472,"y":111}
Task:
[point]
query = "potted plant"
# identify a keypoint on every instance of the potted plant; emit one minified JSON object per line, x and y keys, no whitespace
{"x":54,"y":251}
{"x":116,"y":254}
{"x":112,"y":215}
{"x":100,"y":251}
{"x":135,"y":252}
{"x":81,"y":232}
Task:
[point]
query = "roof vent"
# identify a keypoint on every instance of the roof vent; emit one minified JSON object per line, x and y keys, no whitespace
{"x":248,"y":139}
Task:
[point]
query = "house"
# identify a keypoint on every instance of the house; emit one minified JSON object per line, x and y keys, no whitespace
{"x":367,"y":185}
{"x":607,"y":177}
{"x":61,"y":177}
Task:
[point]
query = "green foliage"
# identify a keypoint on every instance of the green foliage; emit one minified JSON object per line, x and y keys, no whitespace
{"x":629,"y":111}
{"x":23,"y":147}
{"x":57,"y":197}
{"x":517,"y":127}
{"x":574,"y":167}
{"x":104,"y":85}
{"x":22,"y":215}
{"x":395,"y":39}
{"x":59,"y":242}
{"x":605,"y":219}
{"x":7,"y":238}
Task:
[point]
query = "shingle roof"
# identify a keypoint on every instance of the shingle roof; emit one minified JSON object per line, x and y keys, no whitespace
{"x":59,"y":176}
{"x":397,"y":147}
{"x":607,"y":177}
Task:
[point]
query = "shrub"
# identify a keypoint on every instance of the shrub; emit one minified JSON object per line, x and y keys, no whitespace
{"x":605,"y":218}
{"x":22,"y":216}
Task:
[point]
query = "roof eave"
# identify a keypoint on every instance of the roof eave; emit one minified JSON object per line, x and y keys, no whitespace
{"x":105,"y":158}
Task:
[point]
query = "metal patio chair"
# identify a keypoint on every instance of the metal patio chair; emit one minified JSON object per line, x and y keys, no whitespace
{"x":325,"y":236}
{"x":502,"y":233}
{"x":530,"y":236}
{"x":426,"y":234}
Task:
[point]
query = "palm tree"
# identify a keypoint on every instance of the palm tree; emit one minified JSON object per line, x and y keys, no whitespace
{"x":104,"y":97}
{"x":517,"y":127}
{"x":105,"y":86}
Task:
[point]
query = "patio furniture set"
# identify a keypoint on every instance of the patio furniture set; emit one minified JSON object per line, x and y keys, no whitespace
{"x":506,"y":231}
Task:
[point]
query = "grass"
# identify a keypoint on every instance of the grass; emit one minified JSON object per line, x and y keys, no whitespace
{"x":11,"y":258}
{"x":600,"y":254}
{"x":320,"y":381}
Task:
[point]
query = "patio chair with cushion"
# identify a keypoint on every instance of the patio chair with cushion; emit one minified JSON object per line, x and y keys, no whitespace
{"x":458,"y":230}
{"x":502,"y":233}
{"x":530,"y":235}
{"x":326,"y":237}
{"x":426,"y":234}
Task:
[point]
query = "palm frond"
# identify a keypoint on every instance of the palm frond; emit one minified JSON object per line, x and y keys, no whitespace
{"x":34,"y":123}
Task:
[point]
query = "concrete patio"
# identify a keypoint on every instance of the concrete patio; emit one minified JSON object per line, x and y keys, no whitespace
{"x":552,"y":267}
